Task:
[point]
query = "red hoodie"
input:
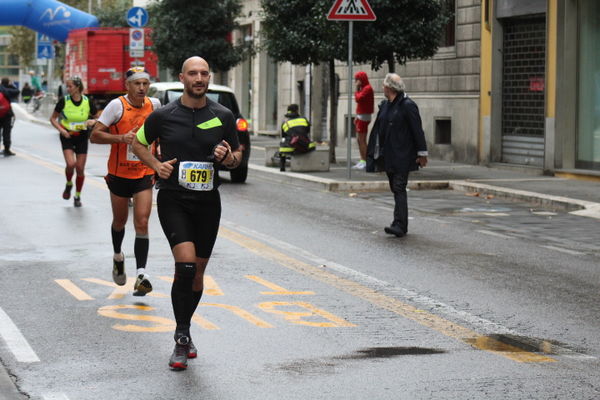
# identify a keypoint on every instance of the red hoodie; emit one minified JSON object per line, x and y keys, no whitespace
{"x":365,"y":99}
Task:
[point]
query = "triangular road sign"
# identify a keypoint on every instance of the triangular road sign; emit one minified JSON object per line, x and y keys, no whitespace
{"x":351,"y":10}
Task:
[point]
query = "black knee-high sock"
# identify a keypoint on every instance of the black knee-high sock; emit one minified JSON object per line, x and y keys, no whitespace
{"x":117,"y":239}
{"x":182,"y":295}
{"x":140,"y":249}
{"x":196,"y":300}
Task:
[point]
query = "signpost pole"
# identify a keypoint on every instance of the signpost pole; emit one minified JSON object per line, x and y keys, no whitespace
{"x":350,"y":91}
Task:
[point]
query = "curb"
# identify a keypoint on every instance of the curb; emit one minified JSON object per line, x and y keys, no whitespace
{"x":574,"y":206}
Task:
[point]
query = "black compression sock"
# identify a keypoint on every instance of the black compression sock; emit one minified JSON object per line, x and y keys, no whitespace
{"x":117,"y":239}
{"x":196,"y":296}
{"x":182,"y":294}
{"x":140,"y":249}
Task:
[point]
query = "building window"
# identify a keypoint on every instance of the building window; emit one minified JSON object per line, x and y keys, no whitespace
{"x":448,"y":37}
{"x":443,"y":131}
{"x":588,"y":133}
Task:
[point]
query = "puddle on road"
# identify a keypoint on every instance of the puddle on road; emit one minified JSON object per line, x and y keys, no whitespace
{"x":328,"y":365}
{"x":515,"y":344}
{"x":388,"y":352}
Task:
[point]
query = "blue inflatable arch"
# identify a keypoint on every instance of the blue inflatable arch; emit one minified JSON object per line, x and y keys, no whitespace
{"x":50,"y":17}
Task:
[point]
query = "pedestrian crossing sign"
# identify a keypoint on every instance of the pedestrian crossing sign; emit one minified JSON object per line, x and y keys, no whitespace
{"x":351,"y":10}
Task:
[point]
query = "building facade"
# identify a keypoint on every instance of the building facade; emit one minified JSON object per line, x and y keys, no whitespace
{"x":540,"y":94}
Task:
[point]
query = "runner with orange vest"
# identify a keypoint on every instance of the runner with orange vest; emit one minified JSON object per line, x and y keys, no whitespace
{"x":127,"y":176}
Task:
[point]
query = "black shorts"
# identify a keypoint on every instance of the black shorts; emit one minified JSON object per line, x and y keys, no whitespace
{"x":190,"y":217}
{"x":79,"y":143}
{"x":124,"y":187}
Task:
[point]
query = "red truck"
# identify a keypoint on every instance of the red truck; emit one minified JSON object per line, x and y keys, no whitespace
{"x":100,"y":56}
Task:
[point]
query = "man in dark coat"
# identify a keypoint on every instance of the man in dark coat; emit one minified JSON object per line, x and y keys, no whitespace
{"x":397,"y":146}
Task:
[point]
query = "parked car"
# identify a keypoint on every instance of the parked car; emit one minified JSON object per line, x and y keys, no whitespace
{"x":167,"y":92}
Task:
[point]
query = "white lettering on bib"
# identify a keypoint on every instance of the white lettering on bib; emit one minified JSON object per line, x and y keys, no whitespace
{"x":196,"y":175}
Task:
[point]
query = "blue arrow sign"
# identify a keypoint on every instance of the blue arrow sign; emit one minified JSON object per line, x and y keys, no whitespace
{"x":137,"y":17}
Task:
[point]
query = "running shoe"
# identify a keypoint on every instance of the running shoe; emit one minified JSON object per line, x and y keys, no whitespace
{"x":67,"y":192}
{"x":192,"y":351}
{"x":360,"y":165}
{"x":118,"y":272}
{"x":178,"y":360}
{"x":77,"y":201}
{"x":142,"y":285}
{"x":8,"y":153}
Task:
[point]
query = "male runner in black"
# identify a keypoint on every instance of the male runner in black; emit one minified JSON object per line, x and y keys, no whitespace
{"x":195,"y":135}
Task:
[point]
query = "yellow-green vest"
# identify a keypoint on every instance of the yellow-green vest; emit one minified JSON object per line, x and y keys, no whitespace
{"x":73,"y":117}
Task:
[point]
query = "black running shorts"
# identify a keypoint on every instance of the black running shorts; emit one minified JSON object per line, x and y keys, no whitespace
{"x":190,"y":217}
{"x":124,"y":187}
{"x":79,"y":143}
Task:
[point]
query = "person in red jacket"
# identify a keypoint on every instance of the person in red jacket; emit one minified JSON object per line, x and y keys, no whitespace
{"x":364,"y":108}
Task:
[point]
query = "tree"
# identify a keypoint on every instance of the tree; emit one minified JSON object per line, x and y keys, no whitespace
{"x":113,"y":14}
{"x":22,"y":44}
{"x":297,"y":31}
{"x":404,"y":30}
{"x":200,"y":27}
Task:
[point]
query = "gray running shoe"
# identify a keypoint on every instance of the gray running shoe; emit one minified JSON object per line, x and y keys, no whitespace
{"x":118,"y":272}
{"x":178,"y":360}
{"x":192,"y":351}
{"x":77,"y":201}
{"x":142,"y":285}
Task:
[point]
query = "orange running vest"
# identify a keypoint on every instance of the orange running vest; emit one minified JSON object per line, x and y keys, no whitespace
{"x":122,"y":162}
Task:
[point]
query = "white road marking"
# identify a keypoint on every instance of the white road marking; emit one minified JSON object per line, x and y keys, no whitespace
{"x":479,"y":324}
{"x":54,"y":396}
{"x":567,"y":251}
{"x":15,"y":341}
{"x":496,"y":234}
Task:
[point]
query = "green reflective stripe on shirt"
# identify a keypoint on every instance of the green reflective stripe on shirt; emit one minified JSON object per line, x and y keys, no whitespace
{"x":292,"y":123}
{"x":211,"y":123}
{"x":141,"y":136}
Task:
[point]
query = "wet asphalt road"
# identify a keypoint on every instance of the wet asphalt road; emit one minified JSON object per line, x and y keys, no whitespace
{"x":306,"y":296}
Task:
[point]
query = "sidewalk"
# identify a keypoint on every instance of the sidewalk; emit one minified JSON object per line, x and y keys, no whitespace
{"x":581,"y":197}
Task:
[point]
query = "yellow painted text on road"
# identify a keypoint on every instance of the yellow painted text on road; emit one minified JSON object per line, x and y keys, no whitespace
{"x":276,"y":290}
{"x":160,"y":324}
{"x":300,"y":317}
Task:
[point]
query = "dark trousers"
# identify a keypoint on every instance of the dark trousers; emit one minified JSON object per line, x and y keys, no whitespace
{"x":398,"y":181}
{"x":6,"y":127}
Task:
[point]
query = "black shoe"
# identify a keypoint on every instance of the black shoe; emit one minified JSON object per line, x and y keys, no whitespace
{"x":394,"y":230}
{"x":67,"y":192}
{"x":77,"y":201}
{"x":7,"y":153}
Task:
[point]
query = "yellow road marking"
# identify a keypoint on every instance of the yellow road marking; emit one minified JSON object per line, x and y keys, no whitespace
{"x":422,"y":317}
{"x":161,"y":324}
{"x":277,"y":290}
{"x":296,"y":316}
{"x":60,"y":170}
{"x":211,"y":287}
{"x":240,"y":312}
{"x":121,"y":291}
{"x":73,"y":289}
{"x":204,"y":323}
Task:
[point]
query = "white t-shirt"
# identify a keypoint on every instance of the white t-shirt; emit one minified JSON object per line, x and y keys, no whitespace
{"x":113,"y":111}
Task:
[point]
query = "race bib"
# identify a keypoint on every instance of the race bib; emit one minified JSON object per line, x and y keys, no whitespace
{"x":196,"y":175}
{"x":131,"y":155}
{"x":76,"y":126}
